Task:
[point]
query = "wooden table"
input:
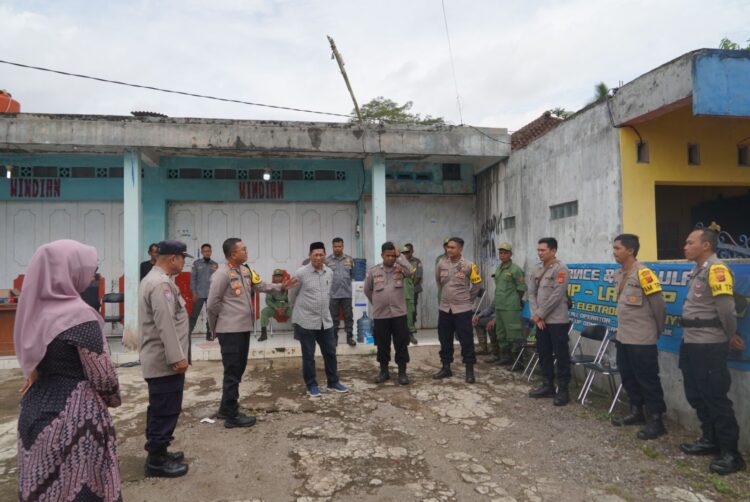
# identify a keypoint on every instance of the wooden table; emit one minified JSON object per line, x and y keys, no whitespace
{"x":7,"y":319}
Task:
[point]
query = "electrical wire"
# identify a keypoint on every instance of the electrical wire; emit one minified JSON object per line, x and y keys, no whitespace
{"x":170,"y":91}
{"x":487,"y":135}
{"x":453,"y":66}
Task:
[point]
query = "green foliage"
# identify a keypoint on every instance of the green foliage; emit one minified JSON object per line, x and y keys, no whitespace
{"x":600,"y":91}
{"x":386,"y":110}
{"x":728,"y":45}
{"x":560,"y":112}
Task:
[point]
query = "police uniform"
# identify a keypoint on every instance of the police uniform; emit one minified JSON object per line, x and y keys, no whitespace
{"x":274,"y":300}
{"x":164,"y":342}
{"x":548,"y":297}
{"x":458,"y":285}
{"x":200,"y":280}
{"x":709,"y":321}
{"x":231,"y":316}
{"x":509,"y":282}
{"x":641,"y":312}
{"x":384,"y":287}
{"x":341,"y":294}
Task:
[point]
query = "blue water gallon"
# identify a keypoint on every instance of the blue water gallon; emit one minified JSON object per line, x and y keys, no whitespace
{"x":360,"y":269}
{"x":364,"y":328}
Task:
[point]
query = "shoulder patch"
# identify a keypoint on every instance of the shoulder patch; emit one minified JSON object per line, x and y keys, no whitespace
{"x":720,"y":280}
{"x":168,"y":293}
{"x":649,"y":282}
{"x":474,"y":276}
{"x":561,"y":276}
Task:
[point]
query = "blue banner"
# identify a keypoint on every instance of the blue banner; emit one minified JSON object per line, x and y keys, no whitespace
{"x":593,"y":293}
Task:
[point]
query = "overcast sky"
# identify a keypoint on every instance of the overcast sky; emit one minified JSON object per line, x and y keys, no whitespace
{"x":513,"y":59}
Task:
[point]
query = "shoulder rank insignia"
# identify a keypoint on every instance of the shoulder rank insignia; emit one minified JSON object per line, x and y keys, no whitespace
{"x":649,"y":282}
{"x":474,"y":276}
{"x":720,"y":280}
{"x":255,"y":279}
{"x":561,"y":277}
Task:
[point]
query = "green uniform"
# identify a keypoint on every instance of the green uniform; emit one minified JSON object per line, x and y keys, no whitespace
{"x":274,"y":301}
{"x":409,"y":296}
{"x":437,"y":260}
{"x":509,"y":281}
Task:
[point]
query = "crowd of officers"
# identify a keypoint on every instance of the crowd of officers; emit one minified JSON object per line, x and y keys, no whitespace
{"x":316,"y":293}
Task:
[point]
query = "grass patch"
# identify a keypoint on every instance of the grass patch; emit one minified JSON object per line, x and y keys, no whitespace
{"x":721,"y":486}
{"x":650,"y":452}
{"x":697,"y":486}
{"x":602,"y":416}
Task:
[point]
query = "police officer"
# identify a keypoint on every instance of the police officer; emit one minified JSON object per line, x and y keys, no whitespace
{"x":410,"y":294}
{"x":165,"y":355}
{"x":200,"y":280}
{"x":458,"y":283}
{"x":510,"y":286}
{"x":641,"y":312}
{"x":709,"y":323}
{"x":231,"y":317}
{"x":548,"y":297}
{"x":342,"y":266}
{"x":384,"y":287}
{"x":418,"y":276}
{"x":277,"y":304}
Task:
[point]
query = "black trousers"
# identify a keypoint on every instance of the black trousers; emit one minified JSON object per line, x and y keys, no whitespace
{"x":345,"y":304}
{"x":460,"y":324}
{"x":551,"y":345}
{"x":164,"y":407}
{"x":416,"y":305}
{"x":639,"y":370}
{"x":706,"y":379}
{"x":396,"y":329}
{"x":234,"y":350}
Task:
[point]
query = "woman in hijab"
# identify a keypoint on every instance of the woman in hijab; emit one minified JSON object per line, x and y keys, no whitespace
{"x":66,"y":441}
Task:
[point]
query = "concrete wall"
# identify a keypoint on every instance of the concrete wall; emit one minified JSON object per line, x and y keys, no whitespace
{"x":578,"y":160}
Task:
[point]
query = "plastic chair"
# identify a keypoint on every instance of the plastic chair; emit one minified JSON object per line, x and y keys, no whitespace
{"x":118,"y":298}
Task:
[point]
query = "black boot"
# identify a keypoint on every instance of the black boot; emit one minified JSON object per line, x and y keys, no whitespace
{"x":263,"y":334}
{"x":635,"y":417}
{"x":403,"y":379}
{"x":562,"y":397}
{"x":544,"y":390}
{"x":654,"y":428}
{"x":351,"y":341}
{"x":239,"y":420}
{"x":413,"y":339}
{"x":702,"y":446}
{"x":176,"y":456}
{"x":470,"y":373}
{"x":383,"y":375}
{"x":158,"y":464}
{"x":729,"y":462}
{"x":444,"y":372}
{"x":505,"y":358}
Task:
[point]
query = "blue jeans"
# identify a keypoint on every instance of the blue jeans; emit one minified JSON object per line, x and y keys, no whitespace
{"x":326,"y":340}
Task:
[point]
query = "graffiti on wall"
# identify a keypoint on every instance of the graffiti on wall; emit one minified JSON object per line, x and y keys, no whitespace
{"x":489,"y":238}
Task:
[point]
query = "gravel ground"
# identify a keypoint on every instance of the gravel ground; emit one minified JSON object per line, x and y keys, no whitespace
{"x":436,"y":441}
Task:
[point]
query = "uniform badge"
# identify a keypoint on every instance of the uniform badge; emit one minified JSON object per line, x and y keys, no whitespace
{"x":233,"y":275}
{"x":237,"y":292}
{"x":632,"y":299}
{"x":348,"y":261}
{"x":168,"y":294}
{"x":720,"y":280}
{"x":561,"y":277}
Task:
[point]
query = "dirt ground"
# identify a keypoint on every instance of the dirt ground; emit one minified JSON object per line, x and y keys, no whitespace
{"x":430,"y":441}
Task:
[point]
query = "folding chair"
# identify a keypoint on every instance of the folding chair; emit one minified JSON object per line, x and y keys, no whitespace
{"x":535,"y":357}
{"x":529,"y":343}
{"x":602,"y":367}
{"x":595,"y":332}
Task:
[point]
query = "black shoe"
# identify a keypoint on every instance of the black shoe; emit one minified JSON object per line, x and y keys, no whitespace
{"x":263,"y":335}
{"x":223,"y":415}
{"x":160,"y":466}
{"x":634,"y":418}
{"x":654,"y":428}
{"x":402,"y":378}
{"x":209,"y":336}
{"x":728,"y":463}
{"x":492,"y":360}
{"x":702,"y":446}
{"x":504,"y":360}
{"x":561,"y":397}
{"x":444,"y":372}
{"x":413,"y":339}
{"x":470,"y":373}
{"x":383,"y":375}
{"x":240,"y":420}
{"x":351,"y":341}
{"x":544,"y":390}
{"x":176,"y":456}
